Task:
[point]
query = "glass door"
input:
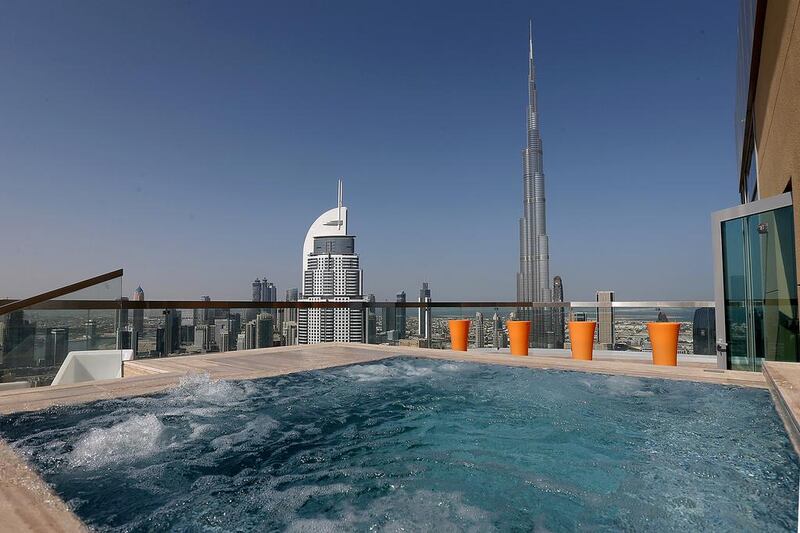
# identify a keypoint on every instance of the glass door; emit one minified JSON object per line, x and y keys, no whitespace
{"x":755,"y":271}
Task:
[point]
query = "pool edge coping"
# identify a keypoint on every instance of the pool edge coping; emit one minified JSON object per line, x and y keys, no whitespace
{"x":28,"y":502}
{"x":781,"y":390}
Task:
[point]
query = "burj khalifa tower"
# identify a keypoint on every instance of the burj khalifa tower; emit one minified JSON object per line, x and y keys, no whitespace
{"x":533,"y":279}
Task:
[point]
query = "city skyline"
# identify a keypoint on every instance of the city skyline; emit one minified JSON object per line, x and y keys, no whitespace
{"x":446,"y":180}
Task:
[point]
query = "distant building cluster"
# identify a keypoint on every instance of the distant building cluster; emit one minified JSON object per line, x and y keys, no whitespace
{"x":264,"y":291}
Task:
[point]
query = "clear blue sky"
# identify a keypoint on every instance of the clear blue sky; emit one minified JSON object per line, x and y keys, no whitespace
{"x":193,"y":143}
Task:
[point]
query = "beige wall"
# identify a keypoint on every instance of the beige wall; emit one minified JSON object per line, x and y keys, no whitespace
{"x":777,"y":107}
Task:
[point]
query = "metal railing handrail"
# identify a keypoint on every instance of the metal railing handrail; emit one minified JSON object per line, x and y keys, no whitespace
{"x":646,"y":303}
{"x":234,"y":304}
{"x":15,"y":305}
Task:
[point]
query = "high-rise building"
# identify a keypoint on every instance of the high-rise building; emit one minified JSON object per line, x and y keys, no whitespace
{"x":264,"y":290}
{"x":91,"y":334}
{"x":389,"y":320}
{"x":291,"y":296}
{"x":236,"y":326}
{"x":605,"y":320}
{"x":172,"y":325}
{"x":124,"y":339}
{"x":288,"y":314}
{"x":263,"y":331}
{"x":138,"y":314}
{"x":56,"y":346}
{"x":559,"y":318}
{"x":372,"y":326}
{"x":533,"y":279}
{"x":331,"y":273}
{"x":251,"y":313}
{"x":17,"y":337}
{"x":249,"y":337}
{"x":121,"y":324}
{"x":168,"y":336}
{"x":400,"y":315}
{"x":288,"y":326}
{"x":226,"y":334}
{"x":424,"y":313}
{"x":187,"y":320}
{"x":130,"y":340}
{"x":496,"y":328}
{"x":479,"y":342}
{"x":186,"y":332}
{"x":499,"y":337}
{"x":203,"y":335}
{"x":269,"y":293}
{"x":226,"y":341}
{"x":202,"y":316}
{"x":289,"y":332}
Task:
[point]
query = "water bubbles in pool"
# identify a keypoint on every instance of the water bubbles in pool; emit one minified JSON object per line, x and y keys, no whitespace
{"x":138,"y":436}
{"x":252,"y":434}
{"x":420,"y":510}
{"x":397,"y":369}
{"x":200,"y":387}
{"x":620,"y":386}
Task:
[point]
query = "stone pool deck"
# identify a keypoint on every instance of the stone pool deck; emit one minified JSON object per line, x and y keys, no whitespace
{"x":28,"y":504}
{"x":784,"y":385}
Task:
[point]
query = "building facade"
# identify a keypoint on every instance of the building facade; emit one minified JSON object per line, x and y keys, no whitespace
{"x":424,"y":314}
{"x":767,"y":120}
{"x":331,"y":273}
{"x":56,"y":346}
{"x":479,"y":334}
{"x":605,"y":321}
{"x":533,"y":278}
{"x":559,"y":314}
{"x":288,"y":326}
{"x":400,"y":315}
{"x":138,"y":314}
{"x":757,"y":243}
{"x":121,"y":333}
{"x":269,"y":292}
{"x":258,"y":333}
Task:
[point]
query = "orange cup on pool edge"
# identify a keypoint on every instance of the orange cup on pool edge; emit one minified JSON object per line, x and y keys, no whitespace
{"x":459,"y":332}
{"x":664,"y":338}
{"x":581,"y":339}
{"x":519,"y":332}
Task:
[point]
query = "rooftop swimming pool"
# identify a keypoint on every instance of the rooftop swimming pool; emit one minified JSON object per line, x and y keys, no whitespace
{"x":417,"y":444}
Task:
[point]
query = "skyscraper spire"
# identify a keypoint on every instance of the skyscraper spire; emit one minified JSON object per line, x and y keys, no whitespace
{"x":530,"y":48}
{"x":339,"y":217}
{"x":533,"y":280}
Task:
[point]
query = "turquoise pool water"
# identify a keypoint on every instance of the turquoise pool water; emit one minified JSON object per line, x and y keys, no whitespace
{"x":414,"y":444}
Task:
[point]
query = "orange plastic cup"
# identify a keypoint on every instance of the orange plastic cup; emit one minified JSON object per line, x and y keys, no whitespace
{"x":581,"y":338}
{"x":519,"y":332}
{"x":459,"y":332}
{"x":664,"y":338}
